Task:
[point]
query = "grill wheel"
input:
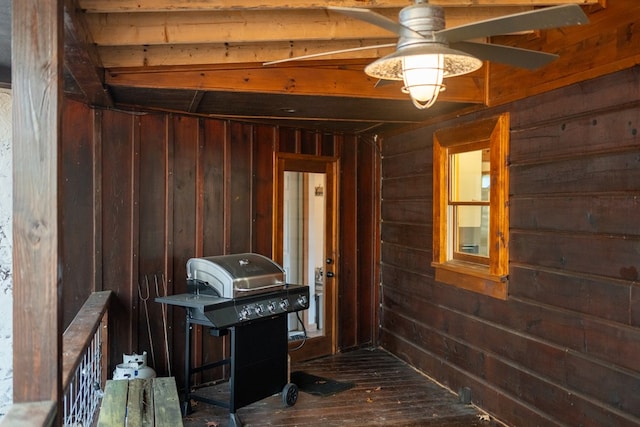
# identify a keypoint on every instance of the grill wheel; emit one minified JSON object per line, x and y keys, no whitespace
{"x":290,"y":394}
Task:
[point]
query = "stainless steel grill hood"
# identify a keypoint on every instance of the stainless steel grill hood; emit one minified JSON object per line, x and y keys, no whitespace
{"x":234,"y":276}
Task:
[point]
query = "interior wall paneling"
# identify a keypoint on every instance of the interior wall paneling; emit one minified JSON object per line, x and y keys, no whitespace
{"x":118,"y":241}
{"x":184,"y":138}
{"x":171,"y":187}
{"x":210,"y":219}
{"x":310,"y":143}
{"x":212,"y":168}
{"x":562,"y":348}
{"x":78,"y":209}
{"x":368,"y":205}
{"x":348,"y":260}
{"x":265,"y":137}
{"x":239,"y":177}
{"x":95,"y":122}
{"x":152,"y":228}
{"x":359,"y":232}
{"x":288,"y":140}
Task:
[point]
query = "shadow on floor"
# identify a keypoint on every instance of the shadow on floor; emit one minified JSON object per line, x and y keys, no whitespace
{"x":385,"y":392}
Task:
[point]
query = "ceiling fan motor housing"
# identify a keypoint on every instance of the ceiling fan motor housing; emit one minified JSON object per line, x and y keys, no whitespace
{"x":423,"y":19}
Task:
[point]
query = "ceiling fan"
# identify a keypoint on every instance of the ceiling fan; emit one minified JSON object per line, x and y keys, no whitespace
{"x":427,"y":52}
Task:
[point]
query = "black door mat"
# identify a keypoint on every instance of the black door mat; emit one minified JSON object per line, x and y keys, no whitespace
{"x":318,"y":386}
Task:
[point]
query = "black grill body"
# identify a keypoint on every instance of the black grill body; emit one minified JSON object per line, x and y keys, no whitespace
{"x":244,"y":296}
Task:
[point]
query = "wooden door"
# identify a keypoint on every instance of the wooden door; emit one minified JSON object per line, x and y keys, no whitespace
{"x":305,"y":244}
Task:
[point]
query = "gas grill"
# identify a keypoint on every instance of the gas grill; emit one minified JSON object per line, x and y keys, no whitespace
{"x":247,"y":296}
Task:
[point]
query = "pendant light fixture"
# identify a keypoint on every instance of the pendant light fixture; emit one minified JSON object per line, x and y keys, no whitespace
{"x":422,"y":60}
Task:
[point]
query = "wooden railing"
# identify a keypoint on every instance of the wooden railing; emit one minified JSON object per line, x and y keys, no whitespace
{"x":84,"y":361}
{"x":84,"y":371}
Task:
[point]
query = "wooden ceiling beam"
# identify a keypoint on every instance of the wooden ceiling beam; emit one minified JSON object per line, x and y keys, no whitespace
{"x":81,"y":57}
{"x":249,"y":26}
{"x":116,"y":6}
{"x":198,"y":54}
{"x":292,"y":80}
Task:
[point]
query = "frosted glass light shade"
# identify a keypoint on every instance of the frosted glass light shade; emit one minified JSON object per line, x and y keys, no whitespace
{"x":422,"y":75}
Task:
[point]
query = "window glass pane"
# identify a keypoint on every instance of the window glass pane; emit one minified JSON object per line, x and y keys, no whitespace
{"x":472,"y":230}
{"x":470,"y":178}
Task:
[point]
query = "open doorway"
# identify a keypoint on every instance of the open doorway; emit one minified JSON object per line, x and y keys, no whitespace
{"x":303,"y":246}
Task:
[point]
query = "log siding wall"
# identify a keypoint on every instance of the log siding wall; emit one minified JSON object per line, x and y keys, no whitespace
{"x":563,"y":349}
{"x":143,"y":193}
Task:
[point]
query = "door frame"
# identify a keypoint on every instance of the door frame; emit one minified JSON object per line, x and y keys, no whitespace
{"x":327,"y":343}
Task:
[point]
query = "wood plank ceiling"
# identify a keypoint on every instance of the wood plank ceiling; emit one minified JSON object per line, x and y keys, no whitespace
{"x":206,"y":57}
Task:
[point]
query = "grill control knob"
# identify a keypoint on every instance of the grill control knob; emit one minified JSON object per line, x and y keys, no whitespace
{"x":271,"y":307}
{"x":244,"y":313}
{"x":302,"y":301}
{"x":284,"y":304}
{"x":259,"y":310}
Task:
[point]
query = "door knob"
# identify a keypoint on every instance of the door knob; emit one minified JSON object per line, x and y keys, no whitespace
{"x":330,"y":274}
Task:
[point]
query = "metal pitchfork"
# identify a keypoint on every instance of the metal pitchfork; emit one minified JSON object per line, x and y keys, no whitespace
{"x":144,"y":300}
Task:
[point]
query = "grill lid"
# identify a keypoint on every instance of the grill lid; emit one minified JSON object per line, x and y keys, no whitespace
{"x":236,"y":275}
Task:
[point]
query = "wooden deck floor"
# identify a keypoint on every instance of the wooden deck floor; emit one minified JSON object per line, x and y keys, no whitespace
{"x":387,"y":392}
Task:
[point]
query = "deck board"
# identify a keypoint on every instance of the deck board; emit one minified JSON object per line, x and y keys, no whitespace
{"x":387,"y":392}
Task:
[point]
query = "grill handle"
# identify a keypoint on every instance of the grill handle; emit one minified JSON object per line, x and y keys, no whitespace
{"x":260,"y":288}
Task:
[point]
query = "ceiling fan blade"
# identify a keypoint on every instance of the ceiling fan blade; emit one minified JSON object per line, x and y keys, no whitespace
{"x":382,"y":83}
{"x":367,"y":15}
{"x":332,"y":52}
{"x":539,"y":19}
{"x":523,"y":58}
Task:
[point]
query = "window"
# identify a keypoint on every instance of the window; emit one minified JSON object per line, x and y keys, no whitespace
{"x":468,"y":203}
{"x":470,"y":206}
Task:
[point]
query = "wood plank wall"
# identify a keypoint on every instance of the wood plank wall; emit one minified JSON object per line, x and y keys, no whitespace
{"x":145,"y":192}
{"x":609,"y":43}
{"x":563,"y":349}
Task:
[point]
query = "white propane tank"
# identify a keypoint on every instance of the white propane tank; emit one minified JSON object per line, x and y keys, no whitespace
{"x":134,"y":366}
